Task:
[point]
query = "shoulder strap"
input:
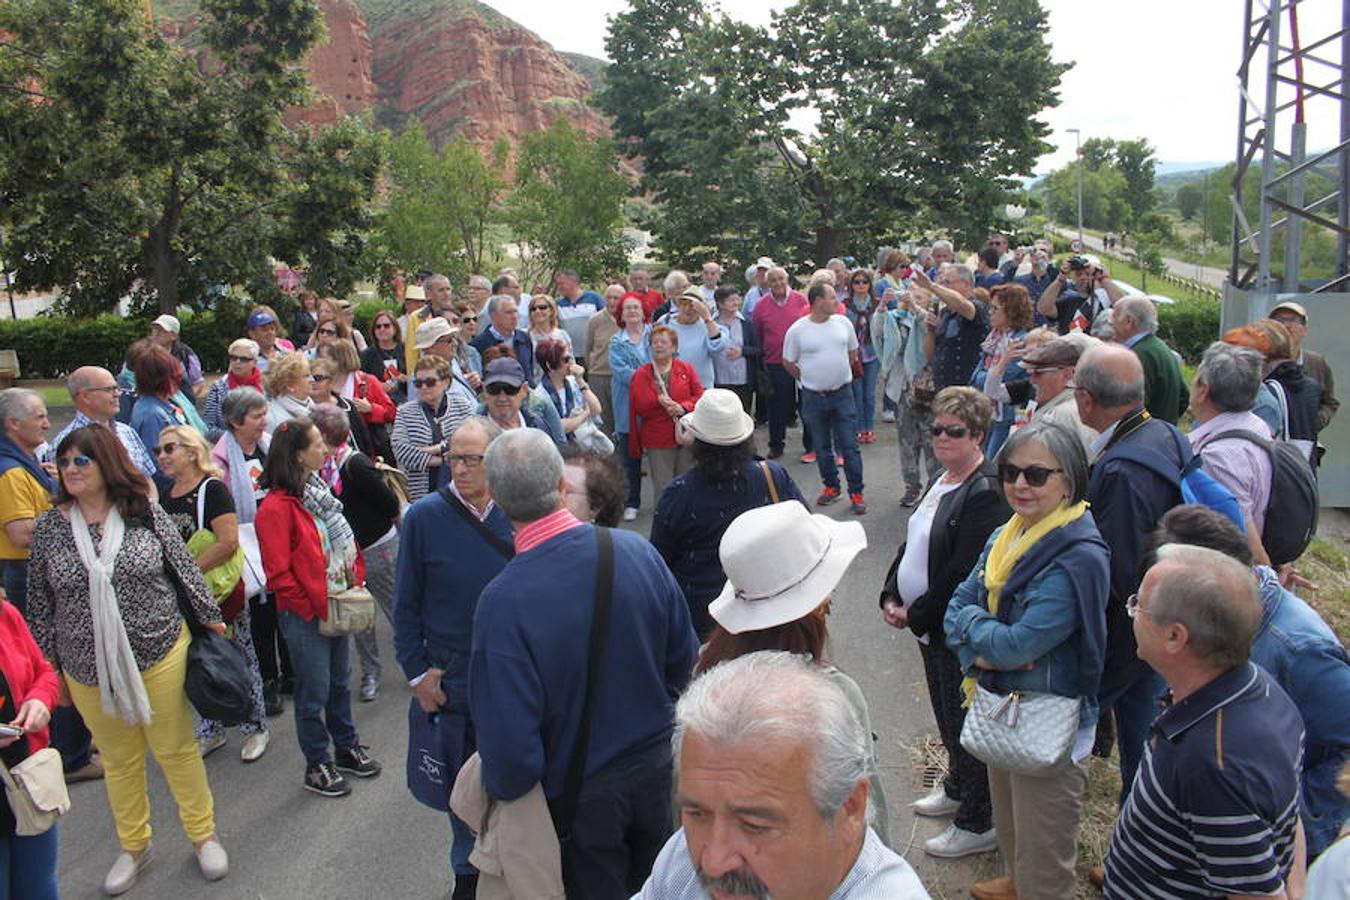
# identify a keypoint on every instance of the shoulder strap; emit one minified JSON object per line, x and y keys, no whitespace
{"x":201,"y":502}
{"x":494,"y":540}
{"x":768,"y":479}
{"x":565,"y":809}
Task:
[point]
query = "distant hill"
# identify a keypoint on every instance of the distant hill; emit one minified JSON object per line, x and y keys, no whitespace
{"x":591,"y":68}
{"x":459,"y":67}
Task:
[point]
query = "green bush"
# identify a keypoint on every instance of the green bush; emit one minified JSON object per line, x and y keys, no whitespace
{"x":1189,"y":326}
{"x":52,"y":347}
{"x":366,"y":310}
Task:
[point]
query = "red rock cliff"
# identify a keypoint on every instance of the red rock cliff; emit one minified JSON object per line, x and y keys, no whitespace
{"x":340,"y":66}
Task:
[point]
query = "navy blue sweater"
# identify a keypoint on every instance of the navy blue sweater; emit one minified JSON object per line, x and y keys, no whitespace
{"x":528,"y":668}
{"x":443,"y":565}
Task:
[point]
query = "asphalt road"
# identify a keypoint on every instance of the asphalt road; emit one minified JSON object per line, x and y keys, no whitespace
{"x":285,"y":842}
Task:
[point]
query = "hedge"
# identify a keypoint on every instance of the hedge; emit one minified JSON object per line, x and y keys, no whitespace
{"x":1189,"y":326}
{"x":52,"y":347}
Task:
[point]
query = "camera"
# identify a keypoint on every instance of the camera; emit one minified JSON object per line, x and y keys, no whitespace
{"x":1078,"y":262}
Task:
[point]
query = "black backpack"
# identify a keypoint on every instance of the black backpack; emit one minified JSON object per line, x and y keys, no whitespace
{"x":1291,"y":515}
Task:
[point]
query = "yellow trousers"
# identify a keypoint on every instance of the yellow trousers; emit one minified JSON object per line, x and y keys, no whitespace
{"x":169,"y":736}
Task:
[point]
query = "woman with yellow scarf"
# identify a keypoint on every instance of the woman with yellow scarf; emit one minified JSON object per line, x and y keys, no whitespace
{"x":1031,"y":617}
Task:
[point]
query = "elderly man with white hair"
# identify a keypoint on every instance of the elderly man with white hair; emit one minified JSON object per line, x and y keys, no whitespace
{"x":1134,"y":321}
{"x":773,"y":792}
{"x":504,"y":314}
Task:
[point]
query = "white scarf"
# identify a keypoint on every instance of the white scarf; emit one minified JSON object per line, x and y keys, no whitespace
{"x":119,"y":679}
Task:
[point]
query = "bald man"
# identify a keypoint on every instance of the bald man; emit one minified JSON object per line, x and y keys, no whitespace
{"x":95,"y":394}
{"x":1127,"y":497}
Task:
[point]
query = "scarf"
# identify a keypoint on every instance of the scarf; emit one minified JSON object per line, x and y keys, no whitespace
{"x":119,"y":679}
{"x":862,"y":318}
{"x":331,"y":471}
{"x":254,"y":381}
{"x":241,"y":486}
{"x":321,"y":503}
{"x":993,"y":345}
{"x":1008,"y":548}
{"x":12,"y":455}
{"x":293,"y":407}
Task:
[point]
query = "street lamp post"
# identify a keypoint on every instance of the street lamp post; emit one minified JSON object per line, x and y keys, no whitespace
{"x":1078,"y":165}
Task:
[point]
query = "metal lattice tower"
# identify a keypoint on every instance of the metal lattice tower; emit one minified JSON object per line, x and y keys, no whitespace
{"x":1299,"y":75}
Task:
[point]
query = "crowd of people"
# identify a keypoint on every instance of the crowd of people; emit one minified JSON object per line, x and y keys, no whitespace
{"x":675,"y":726}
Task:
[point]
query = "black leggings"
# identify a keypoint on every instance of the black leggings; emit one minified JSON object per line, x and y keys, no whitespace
{"x":273,"y":661}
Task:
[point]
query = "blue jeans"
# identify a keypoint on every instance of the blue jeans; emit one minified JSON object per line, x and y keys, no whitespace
{"x":460,"y":744}
{"x":1135,"y":704}
{"x":16,"y":583}
{"x":865,"y":395}
{"x":27,"y":864}
{"x":323,"y":698}
{"x":835,"y":415}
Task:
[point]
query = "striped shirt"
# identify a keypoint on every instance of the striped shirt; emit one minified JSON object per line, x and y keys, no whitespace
{"x":877,"y":874}
{"x":540,"y":530}
{"x":1214,"y":805}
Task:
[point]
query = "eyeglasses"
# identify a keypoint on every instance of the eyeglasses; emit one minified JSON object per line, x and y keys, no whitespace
{"x":1076,"y":389}
{"x":112,"y":389}
{"x":1043,"y":370}
{"x":567,"y":359}
{"x":861,"y":281}
{"x":1287,"y":320}
{"x":467,"y":460}
{"x":328,"y":331}
{"x":1132,"y":607}
{"x":497,"y":388}
{"x":539,"y":306}
{"x":427,"y":382}
{"x":166,"y":449}
{"x":1036,"y":476}
{"x":379,"y":325}
{"x":80,"y":460}
{"x":956,"y":431}
{"x":317,"y":378}
{"x":233,"y":359}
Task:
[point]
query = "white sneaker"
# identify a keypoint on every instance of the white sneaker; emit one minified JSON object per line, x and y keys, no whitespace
{"x":955,"y":842}
{"x":936,"y":804}
{"x":208,"y":745}
{"x":122,"y":875}
{"x":630,"y":514}
{"x":887,"y":416}
{"x":255,"y":745}
{"x":212,"y":860}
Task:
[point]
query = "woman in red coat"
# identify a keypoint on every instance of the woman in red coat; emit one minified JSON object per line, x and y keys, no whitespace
{"x":298,"y":557}
{"x":661,"y":392}
{"x":28,"y":694}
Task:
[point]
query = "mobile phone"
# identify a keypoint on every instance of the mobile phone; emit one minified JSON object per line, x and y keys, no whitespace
{"x":8,"y":730}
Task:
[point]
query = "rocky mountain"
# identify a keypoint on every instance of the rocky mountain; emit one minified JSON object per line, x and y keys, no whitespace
{"x":457,"y":66}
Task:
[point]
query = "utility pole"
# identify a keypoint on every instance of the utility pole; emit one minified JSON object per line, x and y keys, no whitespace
{"x":1078,"y":165}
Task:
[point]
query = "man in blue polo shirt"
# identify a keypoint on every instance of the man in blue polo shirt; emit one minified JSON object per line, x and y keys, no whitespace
{"x":1213,"y":811}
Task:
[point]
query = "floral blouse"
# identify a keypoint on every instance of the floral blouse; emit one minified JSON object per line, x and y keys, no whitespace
{"x":58,"y":591}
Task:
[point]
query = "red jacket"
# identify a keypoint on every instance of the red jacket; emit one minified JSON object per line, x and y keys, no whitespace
{"x":29,"y":674}
{"x":649,"y":425}
{"x":382,"y":410}
{"x":292,"y":555}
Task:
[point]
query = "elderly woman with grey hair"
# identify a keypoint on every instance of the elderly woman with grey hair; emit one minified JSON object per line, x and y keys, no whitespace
{"x":372,"y":510}
{"x":1031,"y":616}
{"x":240,"y":454}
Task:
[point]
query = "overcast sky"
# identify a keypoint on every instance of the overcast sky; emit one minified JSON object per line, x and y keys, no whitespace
{"x":1161,"y":69}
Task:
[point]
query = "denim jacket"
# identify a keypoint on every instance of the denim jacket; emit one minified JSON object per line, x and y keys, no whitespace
{"x":1302,"y":654}
{"x":1052,"y":614}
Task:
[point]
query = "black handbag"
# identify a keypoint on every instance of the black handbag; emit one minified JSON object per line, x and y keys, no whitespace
{"x":218,"y":682}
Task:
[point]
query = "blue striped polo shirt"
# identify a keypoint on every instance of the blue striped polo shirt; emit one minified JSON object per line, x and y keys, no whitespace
{"x":1213,"y":808}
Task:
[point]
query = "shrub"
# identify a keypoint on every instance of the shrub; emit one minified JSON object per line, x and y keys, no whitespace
{"x":1189,"y":326}
{"x":52,"y":347}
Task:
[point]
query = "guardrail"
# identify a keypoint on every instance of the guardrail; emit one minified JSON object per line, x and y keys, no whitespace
{"x":1167,"y":277}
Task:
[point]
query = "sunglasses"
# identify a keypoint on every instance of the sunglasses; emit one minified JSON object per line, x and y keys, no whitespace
{"x":1036,"y":476}
{"x":426,"y":382}
{"x":861,"y":281}
{"x":166,"y":449}
{"x":316,"y":378}
{"x":80,"y":460}
{"x":329,"y":331}
{"x":497,"y":388}
{"x":379,"y":325}
{"x":956,"y":431}
{"x":539,"y":307}
{"x":234,"y":358}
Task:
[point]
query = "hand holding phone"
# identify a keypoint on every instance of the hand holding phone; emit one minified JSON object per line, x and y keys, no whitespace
{"x":8,"y":730}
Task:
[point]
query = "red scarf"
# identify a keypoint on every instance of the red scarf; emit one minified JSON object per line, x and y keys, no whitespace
{"x":254,"y":381}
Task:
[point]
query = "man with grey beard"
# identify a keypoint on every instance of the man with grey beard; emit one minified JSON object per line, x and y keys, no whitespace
{"x":773,"y":792}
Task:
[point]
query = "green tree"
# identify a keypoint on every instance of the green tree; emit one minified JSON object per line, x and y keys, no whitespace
{"x":1104,"y":196}
{"x":1189,"y":198}
{"x":902,"y":94}
{"x":567,"y":206}
{"x":127,"y":161}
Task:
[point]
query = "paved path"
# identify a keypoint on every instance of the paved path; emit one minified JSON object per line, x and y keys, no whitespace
{"x":378,"y":843}
{"x":1215,"y":278}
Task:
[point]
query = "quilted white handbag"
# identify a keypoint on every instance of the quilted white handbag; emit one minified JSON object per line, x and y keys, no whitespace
{"x":1026,"y":732}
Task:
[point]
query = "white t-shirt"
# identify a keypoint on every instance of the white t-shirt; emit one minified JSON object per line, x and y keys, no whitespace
{"x":911,"y":578}
{"x":821,"y":350}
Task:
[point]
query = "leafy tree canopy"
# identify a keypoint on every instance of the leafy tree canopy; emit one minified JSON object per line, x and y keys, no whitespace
{"x":922,"y":112}
{"x":127,"y":162}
